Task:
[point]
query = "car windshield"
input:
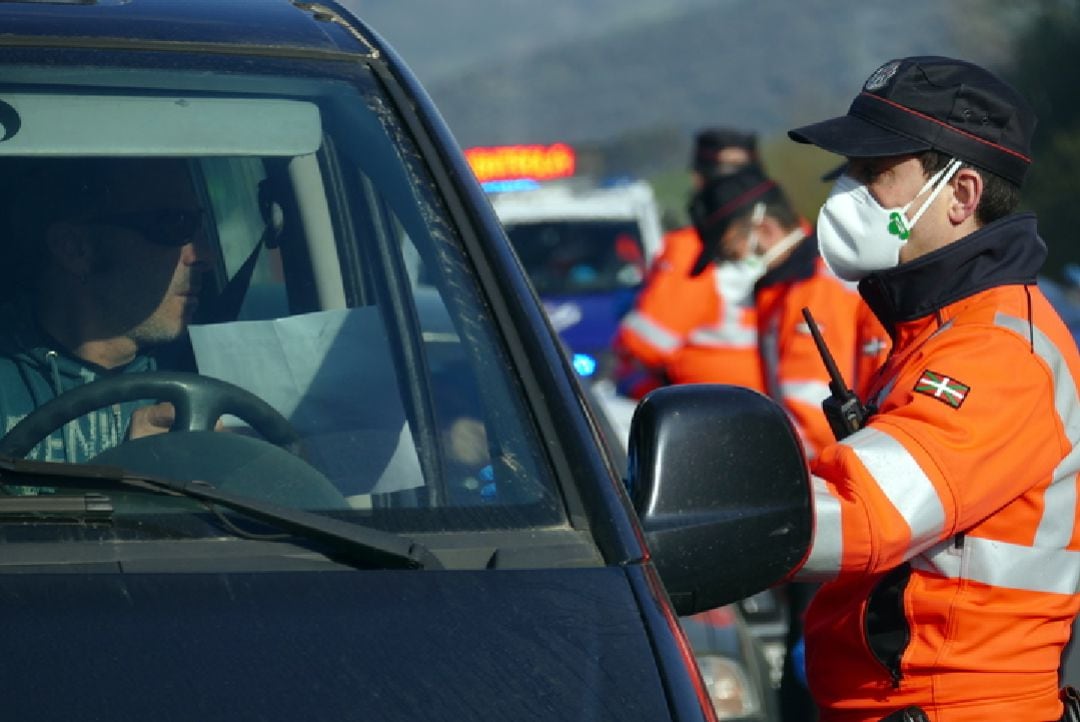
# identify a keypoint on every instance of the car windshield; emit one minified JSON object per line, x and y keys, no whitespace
{"x":576,"y":256}
{"x":263,"y":261}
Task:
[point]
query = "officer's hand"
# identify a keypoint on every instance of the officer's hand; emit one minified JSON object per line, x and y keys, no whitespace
{"x":155,"y":419}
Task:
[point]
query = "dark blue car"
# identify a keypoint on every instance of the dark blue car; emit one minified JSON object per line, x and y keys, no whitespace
{"x":1065,"y":300}
{"x":301,"y":443}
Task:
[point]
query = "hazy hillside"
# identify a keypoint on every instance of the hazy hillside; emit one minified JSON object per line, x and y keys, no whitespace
{"x":746,"y":62}
{"x":441,"y":38}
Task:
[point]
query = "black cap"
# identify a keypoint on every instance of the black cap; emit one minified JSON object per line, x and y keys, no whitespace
{"x":723,"y":200}
{"x":922,"y":103}
{"x":710,"y":141}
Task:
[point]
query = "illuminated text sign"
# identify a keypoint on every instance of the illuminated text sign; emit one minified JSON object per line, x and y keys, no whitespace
{"x":506,"y":162}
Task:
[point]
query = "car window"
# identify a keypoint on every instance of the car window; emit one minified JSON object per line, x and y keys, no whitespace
{"x":581,"y":255}
{"x":276,"y":231}
{"x":232,"y":191}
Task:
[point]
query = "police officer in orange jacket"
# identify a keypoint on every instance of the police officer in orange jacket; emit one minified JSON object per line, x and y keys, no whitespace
{"x":946,"y":527}
{"x":652,"y":342}
{"x":766,"y":263}
{"x":681,"y":329}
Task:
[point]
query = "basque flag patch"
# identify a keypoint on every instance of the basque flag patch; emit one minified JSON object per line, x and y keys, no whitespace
{"x":944,"y":388}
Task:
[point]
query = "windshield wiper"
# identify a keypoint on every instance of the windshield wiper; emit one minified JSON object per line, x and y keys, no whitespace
{"x":363,"y":546}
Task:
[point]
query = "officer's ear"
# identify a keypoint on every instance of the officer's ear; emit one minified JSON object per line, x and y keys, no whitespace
{"x":967,"y":185}
{"x":70,"y":248}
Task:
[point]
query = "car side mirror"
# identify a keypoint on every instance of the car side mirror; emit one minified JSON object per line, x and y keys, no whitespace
{"x":720,"y":482}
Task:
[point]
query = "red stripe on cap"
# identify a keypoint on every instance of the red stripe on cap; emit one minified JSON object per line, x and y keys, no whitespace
{"x":739,"y":201}
{"x":984,"y":141}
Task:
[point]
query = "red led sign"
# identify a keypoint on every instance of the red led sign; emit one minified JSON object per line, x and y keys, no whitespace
{"x":509,"y":162}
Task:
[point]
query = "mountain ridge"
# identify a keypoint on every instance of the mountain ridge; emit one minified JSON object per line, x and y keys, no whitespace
{"x":597,"y":72}
{"x":674,"y":71}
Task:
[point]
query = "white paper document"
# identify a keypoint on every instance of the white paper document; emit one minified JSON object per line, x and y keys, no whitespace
{"x":331,"y":374}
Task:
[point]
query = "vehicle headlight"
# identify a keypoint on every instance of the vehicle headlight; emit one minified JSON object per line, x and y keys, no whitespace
{"x":729,"y":687}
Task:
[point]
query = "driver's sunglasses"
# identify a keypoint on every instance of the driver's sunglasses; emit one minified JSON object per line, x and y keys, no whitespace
{"x":164,"y":226}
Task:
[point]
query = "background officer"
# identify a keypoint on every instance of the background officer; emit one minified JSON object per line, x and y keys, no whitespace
{"x":681,"y":330}
{"x":686,"y":325}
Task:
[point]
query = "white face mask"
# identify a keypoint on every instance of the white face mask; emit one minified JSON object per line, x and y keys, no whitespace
{"x":736,"y":278}
{"x":857,"y":236}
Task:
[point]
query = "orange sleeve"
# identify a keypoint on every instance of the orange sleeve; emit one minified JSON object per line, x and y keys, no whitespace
{"x":956,"y":439}
{"x":670,"y":304}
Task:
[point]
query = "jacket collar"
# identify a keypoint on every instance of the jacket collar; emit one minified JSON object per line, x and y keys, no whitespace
{"x":799,"y":265}
{"x":1005,"y":252}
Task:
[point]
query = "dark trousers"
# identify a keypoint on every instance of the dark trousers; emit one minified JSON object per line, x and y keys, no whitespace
{"x":796,"y":704}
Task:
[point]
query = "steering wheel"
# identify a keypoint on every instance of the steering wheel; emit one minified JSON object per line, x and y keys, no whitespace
{"x":199,"y":401}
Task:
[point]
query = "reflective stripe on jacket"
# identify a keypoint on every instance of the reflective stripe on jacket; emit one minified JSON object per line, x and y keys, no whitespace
{"x":947,"y":527}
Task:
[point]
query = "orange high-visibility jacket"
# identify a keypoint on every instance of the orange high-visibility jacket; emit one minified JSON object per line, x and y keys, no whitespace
{"x":795,"y":374}
{"x":683,"y":325}
{"x":946,"y":529}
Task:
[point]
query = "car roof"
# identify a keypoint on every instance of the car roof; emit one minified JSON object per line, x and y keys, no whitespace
{"x":558,"y":202}
{"x":626,"y":201}
{"x":284,"y":26}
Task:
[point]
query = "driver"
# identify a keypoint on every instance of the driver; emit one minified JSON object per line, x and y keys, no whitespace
{"x":111,"y":254}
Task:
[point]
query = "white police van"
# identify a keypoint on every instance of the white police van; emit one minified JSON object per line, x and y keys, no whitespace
{"x":585,"y":247}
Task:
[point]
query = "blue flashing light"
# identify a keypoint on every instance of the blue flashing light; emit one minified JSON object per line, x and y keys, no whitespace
{"x":1072,"y":274}
{"x":584,"y":364}
{"x":617,"y":181}
{"x":510,"y":186}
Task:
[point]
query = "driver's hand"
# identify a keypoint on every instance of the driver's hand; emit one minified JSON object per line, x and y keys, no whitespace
{"x":150,"y":420}
{"x":156,"y":419}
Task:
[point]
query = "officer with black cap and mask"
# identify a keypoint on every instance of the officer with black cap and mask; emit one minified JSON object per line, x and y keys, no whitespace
{"x":652,"y":346}
{"x":945,"y":528}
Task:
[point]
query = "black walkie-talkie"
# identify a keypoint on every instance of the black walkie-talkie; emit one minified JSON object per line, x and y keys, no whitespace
{"x":845,"y":413}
